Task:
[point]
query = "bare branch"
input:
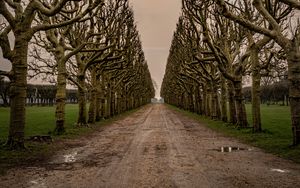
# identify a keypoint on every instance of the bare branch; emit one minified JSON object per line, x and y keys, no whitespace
{"x":4,"y":43}
{"x":7,"y":15}
{"x":7,"y":74}
{"x":293,"y":3}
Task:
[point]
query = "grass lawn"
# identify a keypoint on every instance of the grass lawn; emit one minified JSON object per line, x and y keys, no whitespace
{"x":276,"y":137}
{"x":39,"y":120}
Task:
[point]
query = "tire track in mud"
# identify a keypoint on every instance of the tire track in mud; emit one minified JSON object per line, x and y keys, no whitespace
{"x":156,"y":147}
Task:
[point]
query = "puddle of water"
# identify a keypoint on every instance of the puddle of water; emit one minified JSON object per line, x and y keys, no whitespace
{"x":279,"y":170}
{"x":70,"y":158}
{"x":231,"y":149}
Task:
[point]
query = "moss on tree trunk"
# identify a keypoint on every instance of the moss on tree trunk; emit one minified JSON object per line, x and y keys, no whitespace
{"x":81,"y":121}
{"x":294,"y":92}
{"x":93,"y":100}
{"x":255,"y":93}
{"x":240,"y":105}
{"x":18,"y":87}
{"x":232,"y":108}
{"x":60,"y":98}
{"x":223,"y":100}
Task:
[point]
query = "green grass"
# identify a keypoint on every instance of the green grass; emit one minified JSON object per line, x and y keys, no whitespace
{"x":39,"y":120}
{"x":276,"y":137}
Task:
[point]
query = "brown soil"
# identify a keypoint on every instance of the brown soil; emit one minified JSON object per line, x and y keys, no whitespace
{"x":156,"y":147}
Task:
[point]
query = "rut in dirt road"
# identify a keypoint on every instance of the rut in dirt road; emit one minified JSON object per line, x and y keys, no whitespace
{"x":157,"y":147}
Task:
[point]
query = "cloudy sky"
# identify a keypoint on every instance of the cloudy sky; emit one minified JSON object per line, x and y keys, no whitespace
{"x":156,"y":21}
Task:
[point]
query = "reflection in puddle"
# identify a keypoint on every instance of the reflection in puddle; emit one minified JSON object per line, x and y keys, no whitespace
{"x":279,"y":170}
{"x":70,"y":158}
{"x":231,"y":149}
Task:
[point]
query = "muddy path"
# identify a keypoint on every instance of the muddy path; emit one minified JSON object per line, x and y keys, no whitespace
{"x":156,"y":147}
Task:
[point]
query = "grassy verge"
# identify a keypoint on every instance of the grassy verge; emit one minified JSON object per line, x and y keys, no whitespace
{"x":276,"y":137}
{"x":41,"y":121}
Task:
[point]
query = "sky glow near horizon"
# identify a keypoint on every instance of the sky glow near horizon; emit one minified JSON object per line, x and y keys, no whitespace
{"x":156,"y":21}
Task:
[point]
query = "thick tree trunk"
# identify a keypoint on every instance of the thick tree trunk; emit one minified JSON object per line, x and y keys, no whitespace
{"x":204,"y":101}
{"x":223,"y":100}
{"x":98,"y":99}
{"x":126,"y":102}
{"x":214,"y":103}
{"x":231,"y":101}
{"x":92,"y":107}
{"x":99,"y":107}
{"x":240,"y":105}
{"x":219,"y":114}
{"x":112,"y":104}
{"x":82,"y":112}
{"x":293,"y":57}
{"x":256,"y":117}
{"x":191,"y":102}
{"x":81,"y":121}
{"x":208,"y":102}
{"x":198,"y":101}
{"x":18,"y":95}
{"x":60,"y":98}
{"x":108,"y":104}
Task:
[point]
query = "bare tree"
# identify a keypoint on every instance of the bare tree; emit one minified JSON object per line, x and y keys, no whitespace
{"x":23,"y":26}
{"x":287,"y":39}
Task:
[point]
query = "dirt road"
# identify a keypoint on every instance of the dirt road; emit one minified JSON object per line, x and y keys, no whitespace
{"x":157,"y":147}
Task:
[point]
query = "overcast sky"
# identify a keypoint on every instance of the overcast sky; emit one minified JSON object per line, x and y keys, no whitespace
{"x":156,"y":21}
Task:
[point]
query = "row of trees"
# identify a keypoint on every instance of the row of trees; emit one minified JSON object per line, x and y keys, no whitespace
{"x":217,"y":43}
{"x":92,"y":44}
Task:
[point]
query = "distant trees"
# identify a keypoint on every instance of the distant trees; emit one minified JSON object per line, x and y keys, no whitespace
{"x":218,"y":43}
{"x":72,"y":40}
{"x":40,"y":95}
{"x":276,"y":92}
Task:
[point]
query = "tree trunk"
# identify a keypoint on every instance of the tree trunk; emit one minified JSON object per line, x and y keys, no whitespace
{"x":98,"y":99}
{"x":293,"y":57}
{"x":81,"y":121}
{"x":92,"y":108}
{"x":99,"y":107}
{"x":18,"y":95}
{"x":204,"y":101}
{"x":223,"y":100}
{"x":108,"y":104}
{"x":208,"y":102}
{"x":191,"y":102}
{"x":232,"y":108}
{"x":198,"y":101}
{"x":60,"y":98}
{"x":240,"y":106}
{"x":256,"y":115}
{"x":112,"y":103}
{"x":214,"y":102}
